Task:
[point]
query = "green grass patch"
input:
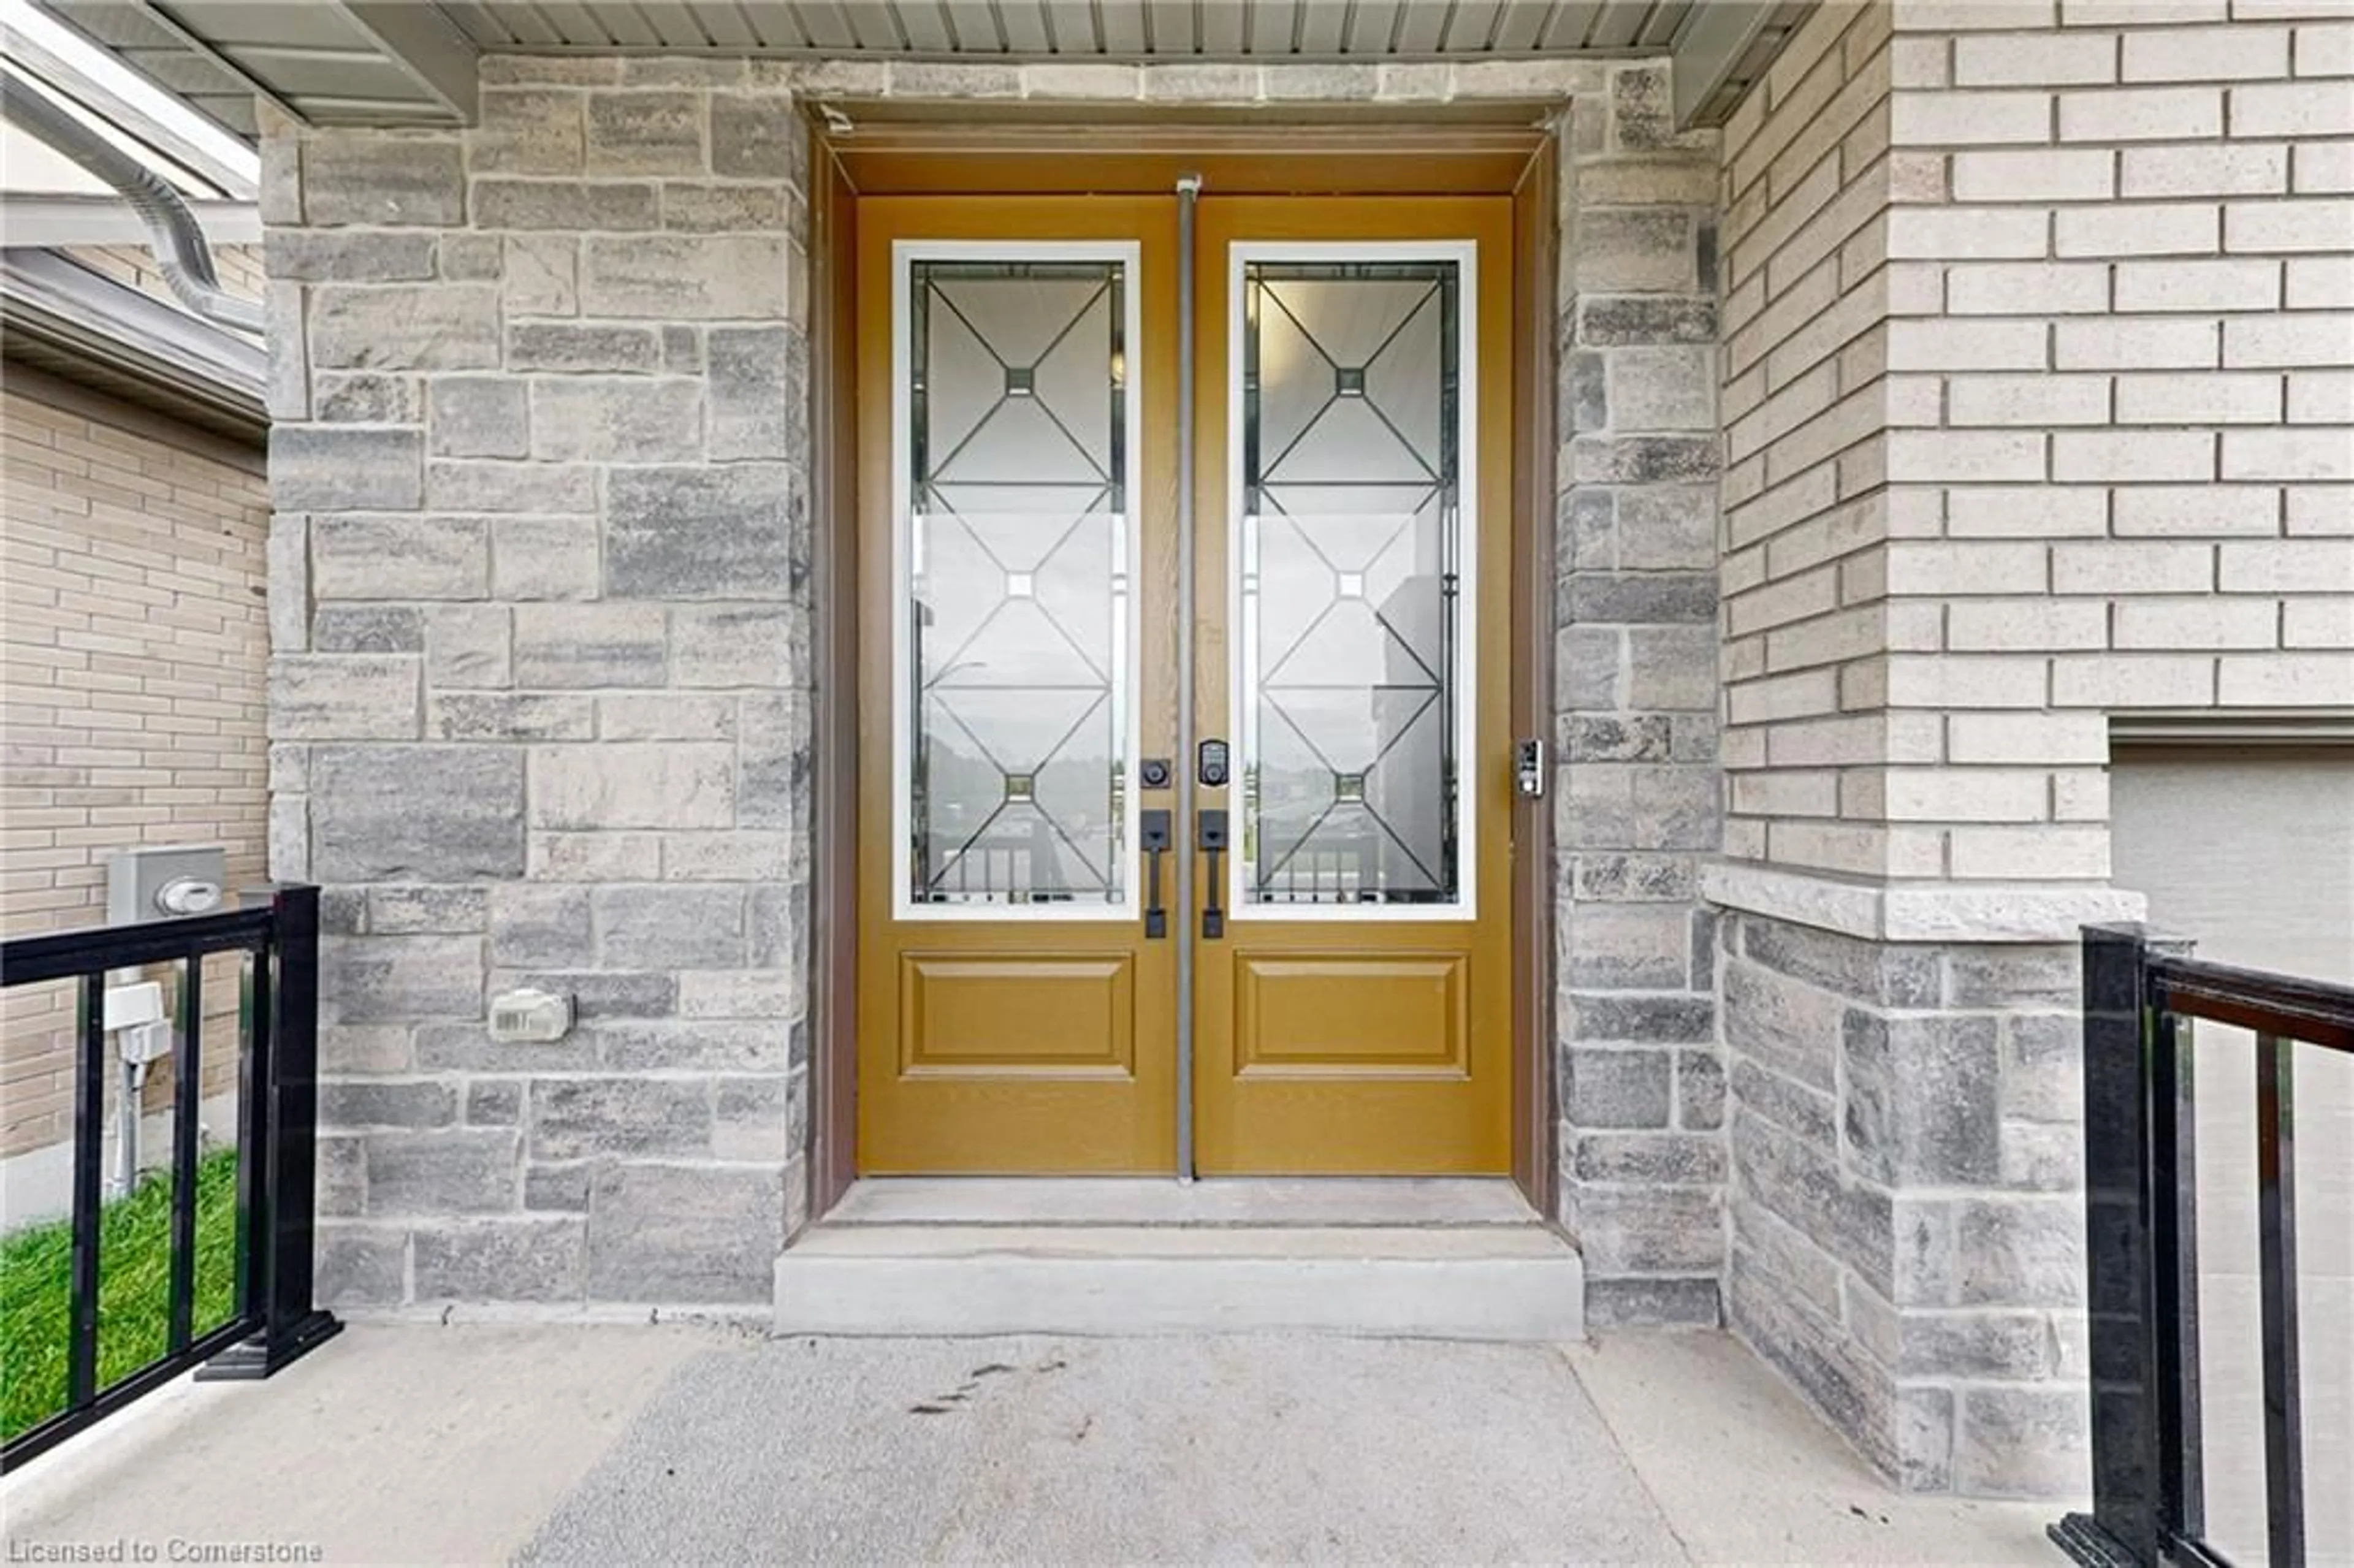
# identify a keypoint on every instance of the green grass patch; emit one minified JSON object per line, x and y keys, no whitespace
{"x":134,"y":1284}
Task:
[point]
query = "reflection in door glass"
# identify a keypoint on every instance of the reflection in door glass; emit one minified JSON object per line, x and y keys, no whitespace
{"x":1348,"y":555}
{"x":1019,"y":583}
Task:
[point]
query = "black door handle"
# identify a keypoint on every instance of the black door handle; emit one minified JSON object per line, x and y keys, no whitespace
{"x":1213,"y":838}
{"x":1152,"y":835}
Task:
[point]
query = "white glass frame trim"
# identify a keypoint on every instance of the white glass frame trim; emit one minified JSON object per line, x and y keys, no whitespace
{"x":1465,"y":254}
{"x":905,"y":253}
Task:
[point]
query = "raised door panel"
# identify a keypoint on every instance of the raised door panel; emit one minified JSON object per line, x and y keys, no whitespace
{"x":1352,"y":1013}
{"x":985,"y":1016}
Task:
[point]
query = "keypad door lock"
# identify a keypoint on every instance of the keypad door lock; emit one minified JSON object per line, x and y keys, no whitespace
{"x":1212,"y":768}
{"x":1529,"y":770}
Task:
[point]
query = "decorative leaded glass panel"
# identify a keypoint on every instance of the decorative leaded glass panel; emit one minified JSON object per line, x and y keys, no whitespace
{"x":1019,"y":583}
{"x":1349,"y":552}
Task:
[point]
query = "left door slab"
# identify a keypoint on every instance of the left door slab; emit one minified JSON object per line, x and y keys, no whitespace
{"x":1016,"y":391}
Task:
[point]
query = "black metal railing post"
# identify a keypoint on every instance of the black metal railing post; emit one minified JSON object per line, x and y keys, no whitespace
{"x":89,"y":1136}
{"x":2171,"y":1182}
{"x":2141,"y":1301}
{"x":2142,"y":996}
{"x":2277,"y":1251}
{"x":188,"y":1096}
{"x":284,"y":1095}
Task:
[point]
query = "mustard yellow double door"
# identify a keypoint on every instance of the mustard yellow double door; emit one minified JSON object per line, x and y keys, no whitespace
{"x":1032,"y":991}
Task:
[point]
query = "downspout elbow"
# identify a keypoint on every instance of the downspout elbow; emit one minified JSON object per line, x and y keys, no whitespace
{"x":182,"y":254}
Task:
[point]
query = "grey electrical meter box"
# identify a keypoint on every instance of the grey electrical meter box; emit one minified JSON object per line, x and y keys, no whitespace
{"x":165,"y":882}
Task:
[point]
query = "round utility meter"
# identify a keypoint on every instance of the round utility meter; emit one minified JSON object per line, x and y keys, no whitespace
{"x":187,"y":896}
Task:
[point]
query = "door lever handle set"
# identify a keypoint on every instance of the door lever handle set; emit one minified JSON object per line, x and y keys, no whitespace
{"x":1212,"y":836}
{"x":1153,"y":837}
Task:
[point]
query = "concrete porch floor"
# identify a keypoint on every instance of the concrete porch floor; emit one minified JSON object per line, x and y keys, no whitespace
{"x":608,"y":1445}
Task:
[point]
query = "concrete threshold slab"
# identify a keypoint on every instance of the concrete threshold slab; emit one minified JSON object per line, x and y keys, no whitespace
{"x":1163,"y":1200}
{"x":1492,"y":1282}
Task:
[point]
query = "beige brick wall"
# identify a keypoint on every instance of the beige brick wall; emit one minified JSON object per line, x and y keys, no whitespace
{"x":2110,"y":402}
{"x":132,"y":660}
{"x":1808,"y":183}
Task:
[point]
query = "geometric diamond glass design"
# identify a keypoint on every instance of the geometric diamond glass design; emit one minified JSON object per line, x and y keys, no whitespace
{"x":1350,"y":555}
{"x":1019,"y":582}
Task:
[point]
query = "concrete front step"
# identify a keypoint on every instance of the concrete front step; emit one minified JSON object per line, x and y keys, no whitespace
{"x":1518,"y":1282}
{"x":1336,"y":1201}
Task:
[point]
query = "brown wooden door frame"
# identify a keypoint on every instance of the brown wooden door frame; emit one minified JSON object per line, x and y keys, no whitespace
{"x":834,"y":717}
{"x":1536,"y":236}
{"x":1393,"y":158}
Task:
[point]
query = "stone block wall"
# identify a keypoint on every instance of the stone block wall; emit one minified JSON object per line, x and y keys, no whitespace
{"x":2040,"y":416}
{"x":1906,"y":1203}
{"x":1637,"y":789}
{"x":539,"y":704}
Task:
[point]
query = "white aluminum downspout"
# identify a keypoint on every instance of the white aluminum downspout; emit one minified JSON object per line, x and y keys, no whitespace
{"x":181,"y":253}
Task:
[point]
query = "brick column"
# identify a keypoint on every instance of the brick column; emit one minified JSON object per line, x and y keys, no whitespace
{"x":2038,"y":416}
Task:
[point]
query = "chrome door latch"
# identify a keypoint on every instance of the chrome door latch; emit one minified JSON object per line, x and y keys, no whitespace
{"x":1529,"y":770}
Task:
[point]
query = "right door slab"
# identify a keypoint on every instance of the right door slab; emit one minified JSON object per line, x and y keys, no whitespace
{"x":1353,"y":972}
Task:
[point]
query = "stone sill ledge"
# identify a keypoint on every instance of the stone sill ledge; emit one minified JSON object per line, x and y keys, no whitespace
{"x":1920,"y":911}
